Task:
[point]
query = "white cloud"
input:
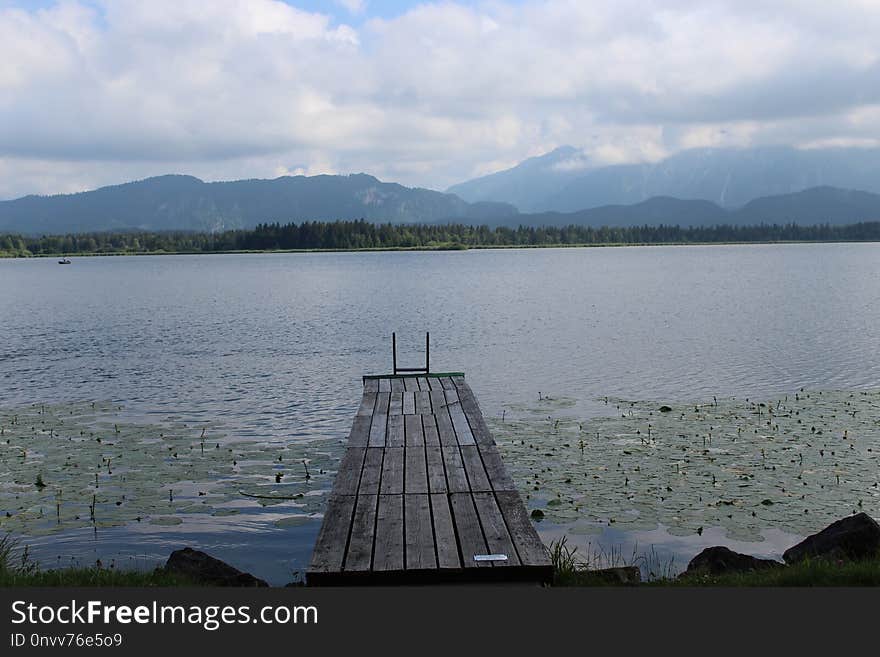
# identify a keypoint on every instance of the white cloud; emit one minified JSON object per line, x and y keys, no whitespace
{"x":97,"y":92}
{"x":353,"y":6}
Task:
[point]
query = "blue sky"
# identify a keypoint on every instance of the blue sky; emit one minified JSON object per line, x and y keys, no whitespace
{"x":376,"y":8}
{"x":95,"y":92}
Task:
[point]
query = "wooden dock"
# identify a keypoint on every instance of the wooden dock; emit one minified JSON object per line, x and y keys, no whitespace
{"x":421,"y":495}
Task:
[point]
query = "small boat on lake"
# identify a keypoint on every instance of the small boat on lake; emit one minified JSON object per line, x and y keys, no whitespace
{"x":64,"y":261}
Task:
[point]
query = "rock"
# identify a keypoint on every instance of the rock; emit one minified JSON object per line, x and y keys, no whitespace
{"x":537,"y":514}
{"x":629,"y":575}
{"x":205,"y":569}
{"x":853,"y":538}
{"x":719,"y":560}
{"x":665,"y":409}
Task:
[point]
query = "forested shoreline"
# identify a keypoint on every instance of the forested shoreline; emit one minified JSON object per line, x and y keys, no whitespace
{"x":357,"y":235}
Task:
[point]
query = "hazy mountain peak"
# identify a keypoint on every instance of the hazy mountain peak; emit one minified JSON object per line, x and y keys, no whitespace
{"x":533,"y":178}
{"x":565,"y":180}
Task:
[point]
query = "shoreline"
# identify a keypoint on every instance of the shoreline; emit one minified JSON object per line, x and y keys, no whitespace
{"x":462,"y":247}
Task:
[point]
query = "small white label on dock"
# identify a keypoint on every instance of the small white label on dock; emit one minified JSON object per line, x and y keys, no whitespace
{"x":490,"y":557}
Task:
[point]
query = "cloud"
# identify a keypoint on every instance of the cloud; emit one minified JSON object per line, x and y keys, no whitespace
{"x":353,"y":6}
{"x":93,"y":92}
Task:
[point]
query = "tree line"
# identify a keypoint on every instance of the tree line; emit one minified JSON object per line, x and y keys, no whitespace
{"x":361,"y":234}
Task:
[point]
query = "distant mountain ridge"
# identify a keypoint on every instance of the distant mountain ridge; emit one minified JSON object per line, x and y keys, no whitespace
{"x":185,"y":203}
{"x":817,"y":205}
{"x":565,"y":180}
{"x":177,"y":202}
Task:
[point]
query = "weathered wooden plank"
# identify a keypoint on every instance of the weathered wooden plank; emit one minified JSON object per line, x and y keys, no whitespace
{"x":384,"y":385}
{"x":429,"y":424}
{"x":395,"y":437}
{"x":459,"y":421}
{"x":360,"y":431}
{"x":371,"y":474}
{"x":396,"y":404}
{"x":423,"y":402}
{"x":451,"y":395}
{"x":438,"y":401}
{"x":472,"y":410}
{"x":495,"y":470}
{"x":456,"y":478}
{"x":348,"y":476}
{"x":360,"y":545}
{"x":396,"y":385}
{"x":446,"y":383}
{"x":445,"y":430}
{"x":418,"y":533}
{"x":415,"y":434}
{"x":371,"y":385}
{"x":409,"y":403}
{"x":379,"y":422}
{"x":329,"y":552}
{"x":410,"y":384}
{"x":495,"y":531}
{"x":415,"y":473}
{"x":444,"y":532}
{"x":392,"y":471}
{"x":435,"y":469}
{"x":382,"y":399}
{"x":473,"y":465}
{"x":528,"y":544}
{"x":423,"y":383}
{"x":388,"y":553}
{"x":378,"y":428}
{"x":368,"y":403}
{"x":467,"y":527}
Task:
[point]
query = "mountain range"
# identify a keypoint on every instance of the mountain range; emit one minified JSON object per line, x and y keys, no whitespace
{"x":693,"y":188}
{"x":567,"y":180}
{"x":817,"y":205}
{"x":177,"y":202}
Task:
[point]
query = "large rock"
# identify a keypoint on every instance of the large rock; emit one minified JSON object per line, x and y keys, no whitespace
{"x":853,"y":538}
{"x":629,"y":575}
{"x":719,"y":560}
{"x":205,"y":569}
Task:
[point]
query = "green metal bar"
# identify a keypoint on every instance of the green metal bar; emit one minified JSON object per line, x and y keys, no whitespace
{"x":432,"y":375}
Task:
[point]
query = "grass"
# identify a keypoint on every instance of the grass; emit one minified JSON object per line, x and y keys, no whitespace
{"x":17,"y":569}
{"x":807,"y":573}
{"x":571,"y":570}
{"x":93,"y":577}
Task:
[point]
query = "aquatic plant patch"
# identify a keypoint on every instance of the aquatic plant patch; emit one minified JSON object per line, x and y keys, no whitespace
{"x":796,"y":463}
{"x":78,"y":465}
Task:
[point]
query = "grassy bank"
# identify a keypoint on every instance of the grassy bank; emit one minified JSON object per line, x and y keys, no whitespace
{"x":91,"y":577}
{"x":809,"y":573}
{"x":17,"y":569}
{"x":570,"y":570}
{"x":815,"y":573}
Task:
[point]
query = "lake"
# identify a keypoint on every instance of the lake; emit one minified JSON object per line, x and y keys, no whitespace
{"x":270,"y":348}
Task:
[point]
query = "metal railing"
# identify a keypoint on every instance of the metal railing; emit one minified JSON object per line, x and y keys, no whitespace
{"x":426,"y":369}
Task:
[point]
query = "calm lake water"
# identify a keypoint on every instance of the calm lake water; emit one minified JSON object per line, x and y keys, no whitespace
{"x":274,"y":345}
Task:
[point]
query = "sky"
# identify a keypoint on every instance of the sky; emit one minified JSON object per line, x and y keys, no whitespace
{"x":96,"y":92}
